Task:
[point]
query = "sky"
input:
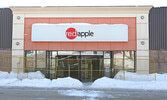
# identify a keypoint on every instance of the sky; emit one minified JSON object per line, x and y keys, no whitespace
{"x":43,"y":3}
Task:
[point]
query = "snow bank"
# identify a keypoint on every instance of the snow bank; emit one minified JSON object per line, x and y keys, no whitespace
{"x":30,"y":75}
{"x":133,"y":81}
{"x":36,"y":79}
{"x":66,"y":82}
{"x":42,"y":83}
{"x":121,"y":75}
{"x":109,"y":83}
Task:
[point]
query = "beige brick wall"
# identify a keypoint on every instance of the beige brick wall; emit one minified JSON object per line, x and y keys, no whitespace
{"x":18,"y":37}
{"x":142,"y":62}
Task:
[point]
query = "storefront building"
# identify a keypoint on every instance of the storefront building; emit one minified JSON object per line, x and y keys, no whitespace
{"x":82,"y":42}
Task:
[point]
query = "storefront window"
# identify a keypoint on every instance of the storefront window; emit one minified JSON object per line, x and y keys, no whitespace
{"x":124,"y":60}
{"x":68,"y":53}
{"x":91,"y":52}
{"x":30,"y":60}
{"x":52,"y":63}
{"x":41,"y":59}
{"x":118,"y":60}
{"x":129,"y":60}
{"x":83,"y":65}
{"x":107,"y":59}
{"x":54,"y":54}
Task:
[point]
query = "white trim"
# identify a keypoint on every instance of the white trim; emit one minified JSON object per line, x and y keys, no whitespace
{"x":80,"y":15}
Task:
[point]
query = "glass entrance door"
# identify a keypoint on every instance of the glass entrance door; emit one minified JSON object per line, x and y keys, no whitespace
{"x":52,"y":63}
{"x":86,"y":69}
{"x":91,"y":68}
{"x":68,"y":66}
{"x":84,"y":66}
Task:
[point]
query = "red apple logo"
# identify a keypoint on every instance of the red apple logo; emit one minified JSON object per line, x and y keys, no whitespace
{"x":71,"y":33}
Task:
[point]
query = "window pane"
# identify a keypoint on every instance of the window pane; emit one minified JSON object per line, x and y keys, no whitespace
{"x":52,"y":63}
{"x":41,"y":59}
{"x":91,"y":52}
{"x":68,"y":53}
{"x":30,"y":60}
{"x":129,"y":60}
{"x":54,"y":54}
{"x":106,"y":58}
{"x":118,"y":60}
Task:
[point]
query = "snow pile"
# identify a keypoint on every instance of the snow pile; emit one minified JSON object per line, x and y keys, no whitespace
{"x":36,"y":79}
{"x":35,"y":75}
{"x":124,"y":75}
{"x":4,"y":74}
{"x":66,"y":82}
{"x":109,"y":83}
{"x":161,"y":77}
{"x":6,"y":82}
{"x":42,"y":83}
{"x":30,"y":75}
{"x":25,"y":82}
{"x":133,"y":81}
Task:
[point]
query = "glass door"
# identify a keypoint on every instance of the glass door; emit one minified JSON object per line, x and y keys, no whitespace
{"x":52,"y":63}
{"x":86,"y":69}
{"x":91,"y":68}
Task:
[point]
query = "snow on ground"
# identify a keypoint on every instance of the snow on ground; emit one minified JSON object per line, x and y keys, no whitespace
{"x":123,"y":75}
{"x":109,"y":83}
{"x":129,"y":80}
{"x":30,"y":75}
{"x":66,"y":82}
{"x":36,"y":79}
{"x":132,"y":81}
{"x":42,"y":83}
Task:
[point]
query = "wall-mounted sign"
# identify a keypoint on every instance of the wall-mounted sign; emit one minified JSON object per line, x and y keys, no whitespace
{"x":79,"y":32}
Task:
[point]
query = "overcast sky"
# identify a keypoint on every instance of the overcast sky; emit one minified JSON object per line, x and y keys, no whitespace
{"x":155,"y":3}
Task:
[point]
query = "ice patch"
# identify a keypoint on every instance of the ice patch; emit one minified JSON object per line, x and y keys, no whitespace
{"x":91,"y":94}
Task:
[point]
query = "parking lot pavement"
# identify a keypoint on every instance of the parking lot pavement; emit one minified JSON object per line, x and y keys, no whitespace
{"x":20,"y":93}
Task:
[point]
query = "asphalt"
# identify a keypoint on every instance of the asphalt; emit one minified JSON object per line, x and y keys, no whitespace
{"x":26,"y":93}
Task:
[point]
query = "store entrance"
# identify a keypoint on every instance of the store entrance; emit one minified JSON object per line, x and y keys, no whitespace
{"x":91,"y":68}
{"x":86,"y":68}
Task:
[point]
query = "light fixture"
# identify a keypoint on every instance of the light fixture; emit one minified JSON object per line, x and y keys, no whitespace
{"x":17,"y":43}
{"x":142,"y":17}
{"x":142,"y":42}
{"x":18,"y":17}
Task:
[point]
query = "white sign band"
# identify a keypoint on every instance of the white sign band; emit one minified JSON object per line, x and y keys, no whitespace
{"x":79,"y":32}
